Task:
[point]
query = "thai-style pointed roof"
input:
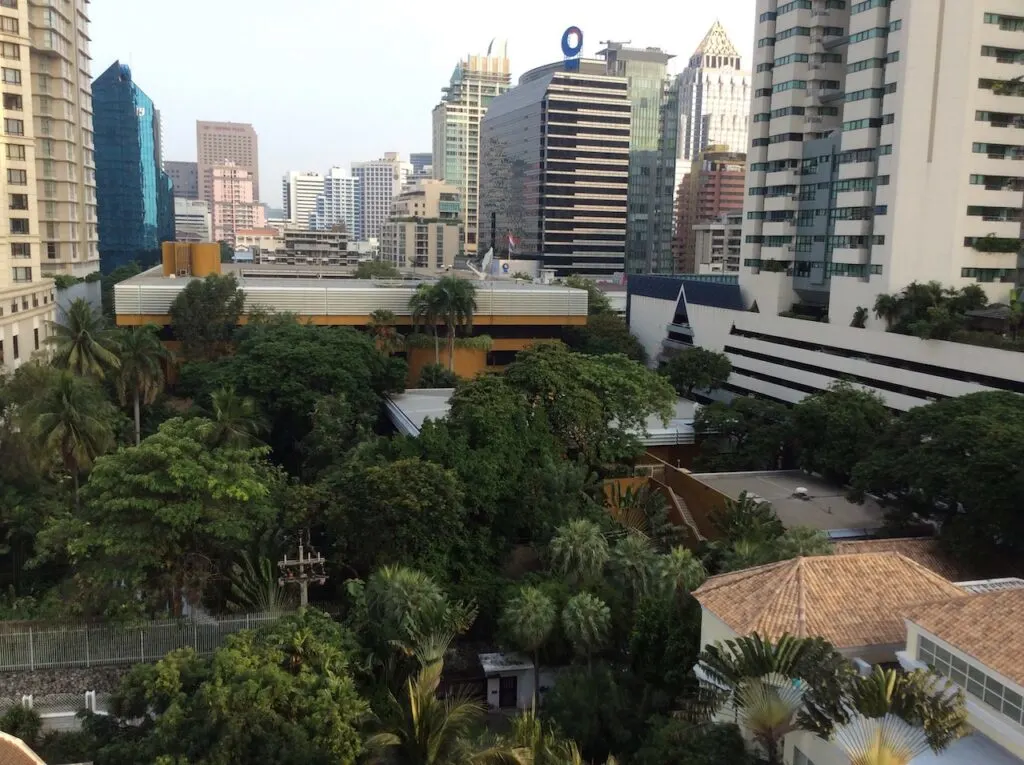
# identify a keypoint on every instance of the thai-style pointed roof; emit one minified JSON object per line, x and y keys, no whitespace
{"x":716,"y":43}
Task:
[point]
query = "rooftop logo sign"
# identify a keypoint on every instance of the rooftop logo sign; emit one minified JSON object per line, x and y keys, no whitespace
{"x":572,"y":44}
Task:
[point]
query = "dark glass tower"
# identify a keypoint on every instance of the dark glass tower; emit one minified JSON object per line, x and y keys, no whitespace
{"x":134,"y":200}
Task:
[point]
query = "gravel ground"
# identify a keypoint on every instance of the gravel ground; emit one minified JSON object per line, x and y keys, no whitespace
{"x":45,"y":682}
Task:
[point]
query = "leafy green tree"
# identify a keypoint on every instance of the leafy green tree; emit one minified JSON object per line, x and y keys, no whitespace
{"x":140,"y":378}
{"x":746,"y":434}
{"x":376,"y":269}
{"x":587,"y":622}
{"x":579,"y":550}
{"x":234,"y":420}
{"x":82,"y":341}
{"x":682,"y":743}
{"x":157,"y":518}
{"x":382,"y":329}
{"x":697,"y":369}
{"x":958,"y":463}
{"x":71,"y":420}
{"x":597,"y":301}
{"x":606,"y":333}
{"x":529,"y":619}
{"x":108,"y":281}
{"x":746,"y":518}
{"x":928,"y":310}
{"x":663,"y":644}
{"x":227,"y":252}
{"x":205,"y":314}
{"x":407,"y":511}
{"x":837,"y":428}
{"x":860,"y":317}
{"x":24,"y":723}
{"x":454,"y":301}
{"x":437,"y":376}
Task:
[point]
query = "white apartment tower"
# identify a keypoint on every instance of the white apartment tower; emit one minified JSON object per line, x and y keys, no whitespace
{"x":336,"y":204}
{"x":379,"y":181}
{"x":887,"y":146}
{"x":60,"y":90}
{"x":476,"y":81}
{"x":299,"y":191}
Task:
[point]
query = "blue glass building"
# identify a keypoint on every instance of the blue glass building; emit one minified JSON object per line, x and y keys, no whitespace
{"x":134,"y":199}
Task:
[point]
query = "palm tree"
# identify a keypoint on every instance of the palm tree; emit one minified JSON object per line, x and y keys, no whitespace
{"x":772,"y":688}
{"x":141,"y":375}
{"x":746,"y":518}
{"x":679,"y":572}
{"x":424,"y":310}
{"x":84,"y":344}
{"x":64,"y":422}
{"x":529,"y":619}
{"x":860,"y":317}
{"x":382,"y":329}
{"x":256,"y":587}
{"x":422,"y":729}
{"x":455,"y":300}
{"x":586,"y":620}
{"x":542,"y":745}
{"x":579,"y":549}
{"x":635,"y":562}
{"x":235,"y":420}
{"x":888,"y":308}
{"x":895,"y":717}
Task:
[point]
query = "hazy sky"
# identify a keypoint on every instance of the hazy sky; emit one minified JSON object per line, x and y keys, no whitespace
{"x":326,"y":82}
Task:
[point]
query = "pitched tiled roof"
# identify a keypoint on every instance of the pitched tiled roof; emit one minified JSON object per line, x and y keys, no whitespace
{"x":924,"y":550}
{"x":14,"y":751}
{"x":988,"y":627}
{"x":716,"y":43}
{"x":850,"y":600}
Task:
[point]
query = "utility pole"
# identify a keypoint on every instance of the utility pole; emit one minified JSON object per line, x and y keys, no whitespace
{"x":307,"y":569}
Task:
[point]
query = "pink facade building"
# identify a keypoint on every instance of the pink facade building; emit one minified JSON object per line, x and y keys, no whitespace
{"x":233,"y":204}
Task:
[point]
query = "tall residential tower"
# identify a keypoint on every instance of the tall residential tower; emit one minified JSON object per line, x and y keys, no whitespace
{"x":218,"y":143}
{"x":475,"y":83}
{"x":336,"y":205}
{"x":378,"y":182}
{"x":298,"y":195}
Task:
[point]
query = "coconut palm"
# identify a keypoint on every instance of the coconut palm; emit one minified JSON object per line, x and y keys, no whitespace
{"x":455,"y":301}
{"x":772,"y":689}
{"x":422,"y":729}
{"x":64,"y":421}
{"x":423,"y":307}
{"x":579,"y":549}
{"x":894,"y":717}
{"x":382,"y":329}
{"x":83,"y":343}
{"x":529,"y":619}
{"x":587,"y":621}
{"x":235,"y":420}
{"x":140,"y":378}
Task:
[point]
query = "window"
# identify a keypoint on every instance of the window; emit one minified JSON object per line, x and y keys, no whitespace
{"x":965,"y":674}
{"x":872,"y":122}
{"x":35,"y":336}
{"x":764,"y":42}
{"x":22,"y":274}
{"x":868,"y":63}
{"x":19,"y":225}
{"x":18,"y":201}
{"x":790,"y":85}
{"x":793,"y":32}
{"x":895,"y":25}
{"x":8,"y":24}
{"x":792,"y":6}
{"x":791,"y":58}
{"x":860,"y":95}
{"x":764,"y":67}
{"x":51,"y":250}
{"x":10,"y":50}
{"x":892,"y":58}
{"x":8,"y":3}
{"x":21,"y":250}
{"x":1006,"y":23}
{"x":13,"y":101}
{"x":868,"y":34}
{"x":762,"y":92}
{"x":11,"y":76}
{"x":17,"y":177}
{"x":15,"y":151}
{"x":867,"y":5}
{"x":14,"y":127}
{"x":14,"y":340}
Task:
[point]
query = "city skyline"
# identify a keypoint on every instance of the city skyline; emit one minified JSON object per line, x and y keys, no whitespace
{"x":265,"y":95}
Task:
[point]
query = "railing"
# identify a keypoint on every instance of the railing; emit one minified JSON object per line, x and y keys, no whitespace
{"x":34,"y":648}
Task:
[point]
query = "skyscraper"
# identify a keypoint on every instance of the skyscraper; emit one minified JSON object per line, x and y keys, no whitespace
{"x":476,"y":81}
{"x":185,"y":177}
{"x":336,"y":204}
{"x":652,"y":151}
{"x":234,"y":205}
{"x":220,"y":142}
{"x":555,"y":169}
{"x":133,"y":194}
{"x":63,"y":115}
{"x":882,"y":152}
{"x":421,"y":162}
{"x":379,"y":181}
{"x":298,"y":193}
{"x":714,"y":186}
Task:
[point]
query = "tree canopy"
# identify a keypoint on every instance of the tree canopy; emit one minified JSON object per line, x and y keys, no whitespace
{"x":205,"y":314}
{"x":697,"y":369}
{"x":376,"y":269}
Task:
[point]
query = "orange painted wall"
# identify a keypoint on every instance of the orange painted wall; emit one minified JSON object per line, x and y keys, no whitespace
{"x":469,"y":362}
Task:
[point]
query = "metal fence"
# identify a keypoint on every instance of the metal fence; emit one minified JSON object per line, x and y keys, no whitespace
{"x":97,"y":646}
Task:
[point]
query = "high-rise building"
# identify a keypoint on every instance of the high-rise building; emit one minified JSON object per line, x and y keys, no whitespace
{"x":192,"y":220}
{"x":714,"y":186}
{"x":133,"y":197}
{"x":299,"y":191}
{"x":234,"y":203}
{"x":185,"y":177}
{"x":63,"y":115}
{"x":378,"y":182}
{"x":875,"y":161}
{"x":652,"y":153}
{"x":423,"y":232}
{"x":421,"y":162}
{"x":336,"y":205}
{"x":476,"y":81}
{"x":218,"y":143}
{"x":26,"y":298}
{"x":717,"y":245}
{"x":554,"y":169}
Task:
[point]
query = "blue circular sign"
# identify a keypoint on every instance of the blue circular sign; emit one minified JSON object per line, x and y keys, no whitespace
{"x":568,"y":49}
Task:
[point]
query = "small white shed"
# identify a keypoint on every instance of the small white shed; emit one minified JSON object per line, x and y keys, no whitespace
{"x":509,"y":680}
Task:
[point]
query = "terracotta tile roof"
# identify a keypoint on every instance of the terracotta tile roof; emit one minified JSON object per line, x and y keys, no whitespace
{"x":988,"y":627}
{"x":850,"y":600}
{"x":14,"y":751}
{"x":924,"y":550}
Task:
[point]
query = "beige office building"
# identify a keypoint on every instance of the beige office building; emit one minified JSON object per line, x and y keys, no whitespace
{"x":55,"y":48}
{"x":423,"y":232}
{"x":220,"y":143}
{"x":26,"y":298}
{"x":924,"y":182}
{"x":717,"y":244}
